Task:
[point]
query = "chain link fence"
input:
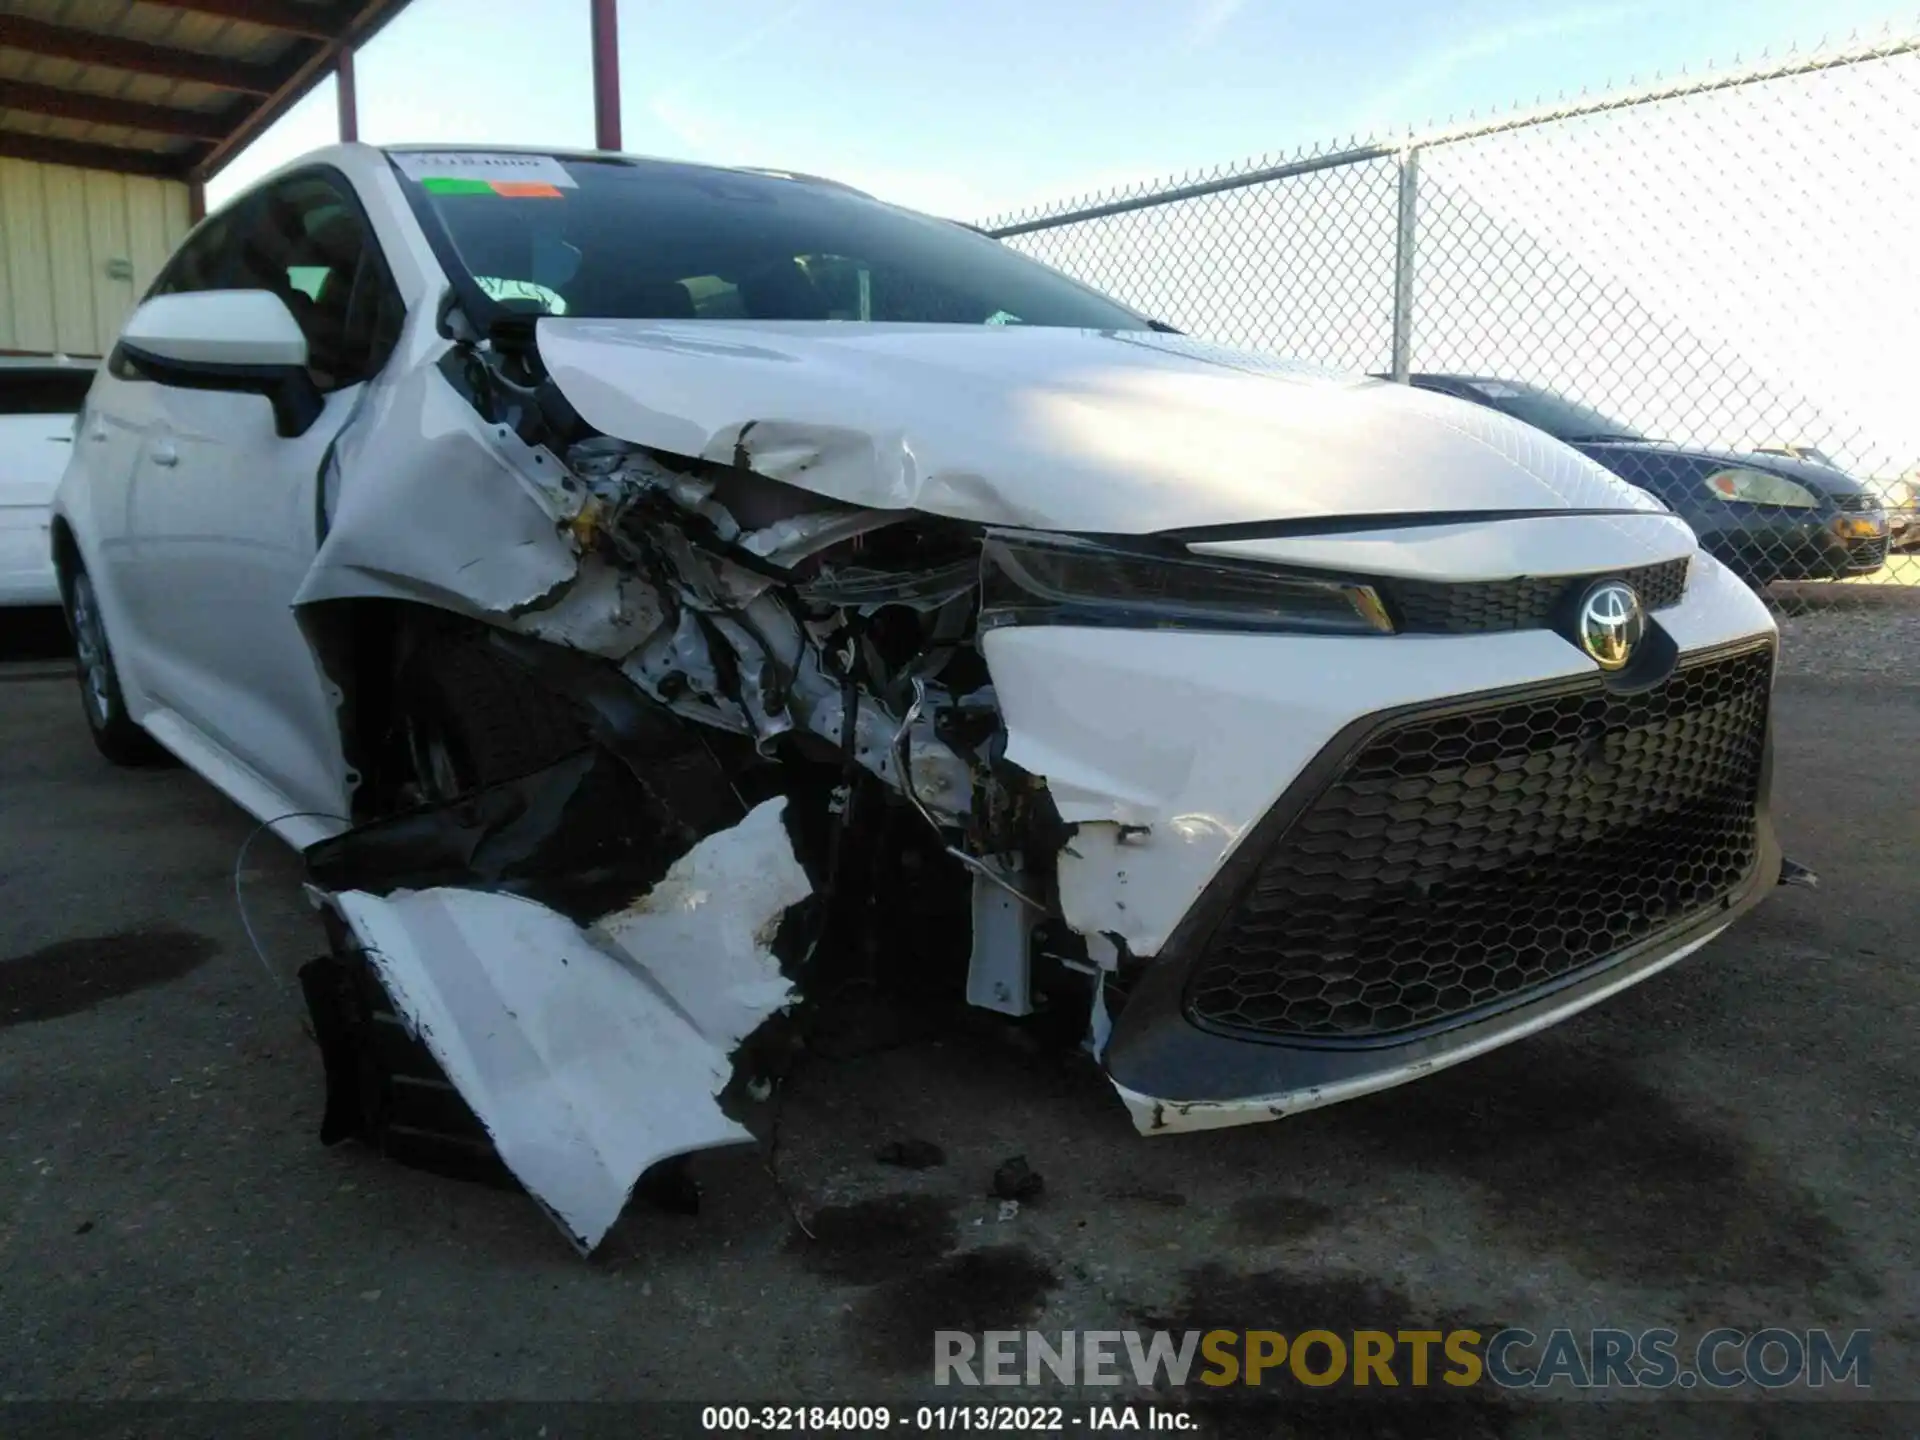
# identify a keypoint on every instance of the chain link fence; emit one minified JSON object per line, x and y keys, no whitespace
{"x":1710,"y":285}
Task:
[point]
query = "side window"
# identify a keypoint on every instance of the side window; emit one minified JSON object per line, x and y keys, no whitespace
{"x":205,"y":262}
{"x":304,"y":240}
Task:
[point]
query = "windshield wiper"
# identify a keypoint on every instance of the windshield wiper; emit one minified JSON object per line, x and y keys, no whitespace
{"x":1604,"y":435}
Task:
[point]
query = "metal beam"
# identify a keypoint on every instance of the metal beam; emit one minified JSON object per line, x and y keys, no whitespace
{"x":62,"y":43}
{"x":1405,"y":245}
{"x":367,"y":18}
{"x":349,"y":102}
{"x":315,"y":22}
{"x":1264,"y":176}
{"x":105,"y":110}
{"x":606,"y":75}
{"x":46,"y":151}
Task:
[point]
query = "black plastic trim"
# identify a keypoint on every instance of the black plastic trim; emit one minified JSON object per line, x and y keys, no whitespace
{"x":1357,"y":524}
{"x":296,"y":400}
{"x":1156,"y":1050}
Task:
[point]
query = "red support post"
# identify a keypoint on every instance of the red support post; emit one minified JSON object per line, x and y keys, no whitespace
{"x":606,"y":75}
{"x":343,"y":90}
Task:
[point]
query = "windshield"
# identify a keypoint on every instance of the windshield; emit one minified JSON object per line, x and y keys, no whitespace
{"x":1544,"y":410}
{"x":621,"y":239}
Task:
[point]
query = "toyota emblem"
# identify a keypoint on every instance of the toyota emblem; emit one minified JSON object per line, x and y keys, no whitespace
{"x":1612,"y":623}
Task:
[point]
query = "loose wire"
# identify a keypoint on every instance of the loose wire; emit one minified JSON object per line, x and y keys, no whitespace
{"x":239,"y":897}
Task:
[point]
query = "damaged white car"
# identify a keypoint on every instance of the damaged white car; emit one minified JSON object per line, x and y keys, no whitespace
{"x":634,"y":584}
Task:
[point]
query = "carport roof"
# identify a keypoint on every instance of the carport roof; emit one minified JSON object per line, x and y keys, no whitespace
{"x":170,"y":88}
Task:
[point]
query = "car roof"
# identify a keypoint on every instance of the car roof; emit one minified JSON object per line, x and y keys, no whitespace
{"x":1415,"y":377}
{"x":690,"y":167}
{"x":1459,"y":379}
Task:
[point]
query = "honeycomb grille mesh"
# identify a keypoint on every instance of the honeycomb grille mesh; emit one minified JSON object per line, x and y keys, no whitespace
{"x":1460,"y":861}
{"x":1475,"y":607}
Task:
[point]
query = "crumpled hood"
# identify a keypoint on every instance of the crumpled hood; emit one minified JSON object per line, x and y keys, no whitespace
{"x":1092,"y":431}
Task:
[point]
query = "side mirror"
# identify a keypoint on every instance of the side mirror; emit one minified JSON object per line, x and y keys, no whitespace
{"x":243,"y":340}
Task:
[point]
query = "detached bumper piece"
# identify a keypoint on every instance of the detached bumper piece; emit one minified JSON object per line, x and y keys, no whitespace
{"x":573,"y":1036}
{"x":1444,"y":879}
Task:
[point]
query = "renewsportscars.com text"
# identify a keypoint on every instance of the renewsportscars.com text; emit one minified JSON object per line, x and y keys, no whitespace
{"x":1510,"y":1358}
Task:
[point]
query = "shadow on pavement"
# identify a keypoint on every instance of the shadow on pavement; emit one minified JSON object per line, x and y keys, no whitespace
{"x":33,"y":633}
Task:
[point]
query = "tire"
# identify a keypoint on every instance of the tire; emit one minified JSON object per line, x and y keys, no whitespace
{"x":115,"y":735}
{"x":468,"y":717}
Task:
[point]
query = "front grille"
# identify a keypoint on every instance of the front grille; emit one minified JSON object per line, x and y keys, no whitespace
{"x":1867,"y":554}
{"x":1460,"y":860}
{"x":1528,"y":603}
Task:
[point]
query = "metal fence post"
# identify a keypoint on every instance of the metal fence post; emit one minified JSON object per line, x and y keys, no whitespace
{"x":1405,"y":240}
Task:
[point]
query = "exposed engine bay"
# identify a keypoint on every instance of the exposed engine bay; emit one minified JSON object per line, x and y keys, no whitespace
{"x":772,"y":690}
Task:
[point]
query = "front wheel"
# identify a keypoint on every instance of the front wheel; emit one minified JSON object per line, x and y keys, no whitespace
{"x":115,"y":735}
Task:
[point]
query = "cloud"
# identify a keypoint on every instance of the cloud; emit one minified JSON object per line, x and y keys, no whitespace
{"x":709,"y":134}
{"x":669,"y":106}
{"x":1210,"y":18}
{"x":1390,"y":107}
{"x":686,"y":124}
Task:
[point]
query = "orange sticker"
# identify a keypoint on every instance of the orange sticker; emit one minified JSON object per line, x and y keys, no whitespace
{"x":526,"y":189}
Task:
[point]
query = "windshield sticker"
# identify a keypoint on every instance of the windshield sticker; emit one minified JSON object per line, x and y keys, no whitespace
{"x":474,"y":172}
{"x":513,"y":189}
{"x":1494,"y":390}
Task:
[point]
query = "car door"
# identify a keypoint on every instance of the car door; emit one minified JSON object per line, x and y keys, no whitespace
{"x":118,"y":433}
{"x":225,"y":510}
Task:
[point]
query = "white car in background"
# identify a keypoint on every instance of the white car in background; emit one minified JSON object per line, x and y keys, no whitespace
{"x":640,"y":588}
{"x":39,"y":399}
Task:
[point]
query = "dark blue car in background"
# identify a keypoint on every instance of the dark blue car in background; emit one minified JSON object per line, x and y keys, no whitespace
{"x":1766,"y":516}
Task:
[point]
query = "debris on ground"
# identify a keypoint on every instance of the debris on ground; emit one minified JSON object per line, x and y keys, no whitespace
{"x":1017,"y":1180}
{"x":911,"y":1154}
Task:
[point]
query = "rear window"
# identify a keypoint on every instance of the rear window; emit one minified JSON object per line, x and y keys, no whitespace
{"x":27,"y":391}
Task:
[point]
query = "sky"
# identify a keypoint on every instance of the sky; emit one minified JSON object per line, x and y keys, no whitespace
{"x":972,"y":109}
{"x":1735,"y":269}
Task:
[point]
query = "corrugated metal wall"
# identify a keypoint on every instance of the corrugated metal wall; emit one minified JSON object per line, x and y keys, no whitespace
{"x":77,"y":248}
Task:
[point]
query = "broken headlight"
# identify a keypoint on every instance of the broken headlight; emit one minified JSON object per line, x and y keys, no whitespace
{"x":1030,"y":579}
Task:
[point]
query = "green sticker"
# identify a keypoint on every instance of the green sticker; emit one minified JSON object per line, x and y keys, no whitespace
{"x":451,"y":185}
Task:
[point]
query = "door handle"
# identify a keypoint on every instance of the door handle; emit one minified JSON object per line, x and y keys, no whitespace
{"x":99,"y":431}
{"x":164,"y":455}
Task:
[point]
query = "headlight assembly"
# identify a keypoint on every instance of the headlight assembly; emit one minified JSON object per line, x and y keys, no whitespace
{"x":1032,"y":578}
{"x":1758,"y":487}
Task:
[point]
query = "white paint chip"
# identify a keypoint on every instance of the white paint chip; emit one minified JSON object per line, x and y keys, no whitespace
{"x":705,"y":931}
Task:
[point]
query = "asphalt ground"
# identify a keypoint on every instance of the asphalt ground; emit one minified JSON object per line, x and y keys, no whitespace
{"x":1735,"y":1143}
